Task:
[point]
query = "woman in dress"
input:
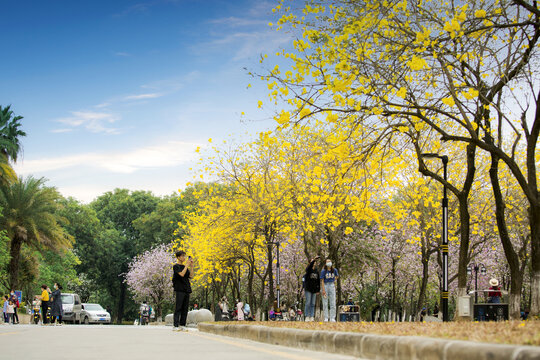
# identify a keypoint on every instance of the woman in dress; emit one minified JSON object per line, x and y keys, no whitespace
{"x":56,"y":305}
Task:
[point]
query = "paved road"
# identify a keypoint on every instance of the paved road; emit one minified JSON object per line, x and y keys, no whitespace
{"x":101,"y":342}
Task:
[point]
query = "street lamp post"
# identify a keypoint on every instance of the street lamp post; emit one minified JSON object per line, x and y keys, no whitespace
{"x":476,"y":267}
{"x":278,"y":291}
{"x":444,"y":245}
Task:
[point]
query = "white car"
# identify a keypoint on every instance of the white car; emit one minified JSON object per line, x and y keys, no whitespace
{"x":71,"y":306}
{"x":94,"y":313}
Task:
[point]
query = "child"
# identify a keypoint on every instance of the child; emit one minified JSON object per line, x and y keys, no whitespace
{"x":11,"y":312}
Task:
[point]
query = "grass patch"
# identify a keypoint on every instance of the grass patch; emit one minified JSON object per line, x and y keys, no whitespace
{"x":505,"y":332}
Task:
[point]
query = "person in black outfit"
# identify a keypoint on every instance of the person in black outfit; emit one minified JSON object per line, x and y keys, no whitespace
{"x":183,"y":271}
{"x":312,"y":286}
{"x":56,"y":305}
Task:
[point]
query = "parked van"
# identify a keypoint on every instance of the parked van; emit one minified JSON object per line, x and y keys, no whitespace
{"x":71,"y":304}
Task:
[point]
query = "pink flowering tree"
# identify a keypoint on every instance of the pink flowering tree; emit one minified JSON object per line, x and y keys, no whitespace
{"x":149,"y":277}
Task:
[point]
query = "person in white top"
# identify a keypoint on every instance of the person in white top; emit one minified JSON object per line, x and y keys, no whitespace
{"x":10,"y":312}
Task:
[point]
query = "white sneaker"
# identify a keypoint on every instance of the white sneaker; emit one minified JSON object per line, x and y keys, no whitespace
{"x":175,"y":328}
{"x":312,"y":318}
{"x":325,"y":320}
{"x":333,"y":320}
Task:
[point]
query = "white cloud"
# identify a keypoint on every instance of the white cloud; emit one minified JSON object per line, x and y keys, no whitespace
{"x":244,"y":44}
{"x":170,"y":154}
{"x":142,"y":96}
{"x":234,"y":21}
{"x":96,"y":122}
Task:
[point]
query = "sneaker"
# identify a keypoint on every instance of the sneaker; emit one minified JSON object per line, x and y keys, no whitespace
{"x":333,"y":320}
{"x":325,"y":320}
{"x":175,"y":328}
{"x":183,"y":328}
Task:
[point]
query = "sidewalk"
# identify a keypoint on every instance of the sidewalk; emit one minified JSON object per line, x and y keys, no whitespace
{"x":370,"y":346}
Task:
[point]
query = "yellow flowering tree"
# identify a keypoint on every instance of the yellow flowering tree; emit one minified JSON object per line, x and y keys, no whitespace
{"x":446,"y":70}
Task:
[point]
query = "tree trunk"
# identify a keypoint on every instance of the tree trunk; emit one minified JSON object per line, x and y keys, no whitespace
{"x":464,"y":230}
{"x":534,"y":221}
{"x":270,"y":273}
{"x":121,"y":302}
{"x":423,"y":284}
{"x":516,"y":276}
{"x":15,"y":255}
{"x":251,"y":295}
{"x":534,"y":209}
{"x":393,"y":285}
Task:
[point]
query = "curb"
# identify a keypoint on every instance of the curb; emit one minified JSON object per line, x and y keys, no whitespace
{"x":369,"y":346}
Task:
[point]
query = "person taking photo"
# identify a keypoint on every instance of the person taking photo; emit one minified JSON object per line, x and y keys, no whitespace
{"x":312,"y":287}
{"x":183,"y":272}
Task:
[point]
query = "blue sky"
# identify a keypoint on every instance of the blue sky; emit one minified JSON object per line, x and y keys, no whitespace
{"x":120,"y":93}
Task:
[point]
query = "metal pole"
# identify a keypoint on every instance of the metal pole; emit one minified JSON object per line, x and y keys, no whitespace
{"x":277,"y":278}
{"x":476,"y":284}
{"x":444,"y":246}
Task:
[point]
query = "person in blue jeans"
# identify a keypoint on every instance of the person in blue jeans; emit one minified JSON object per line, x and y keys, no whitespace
{"x":312,"y":287}
{"x":329,"y":276}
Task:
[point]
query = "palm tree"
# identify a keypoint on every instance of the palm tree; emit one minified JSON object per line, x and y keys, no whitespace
{"x":30,"y":217}
{"x":10,"y":133}
{"x":10,"y":146}
{"x":7,"y":174}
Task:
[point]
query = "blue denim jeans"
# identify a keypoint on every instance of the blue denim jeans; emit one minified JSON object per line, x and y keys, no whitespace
{"x":309,"y":310}
{"x":329,"y":300}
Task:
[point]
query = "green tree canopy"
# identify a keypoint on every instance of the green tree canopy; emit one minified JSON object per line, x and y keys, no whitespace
{"x":31,"y":217}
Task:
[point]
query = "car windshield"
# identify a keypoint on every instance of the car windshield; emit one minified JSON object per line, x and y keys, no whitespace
{"x":93,"y":307}
{"x":67,"y":299}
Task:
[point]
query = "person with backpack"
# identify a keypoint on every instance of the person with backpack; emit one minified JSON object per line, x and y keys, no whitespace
{"x":182,"y":273}
{"x":312,"y":287}
{"x":329,"y":276}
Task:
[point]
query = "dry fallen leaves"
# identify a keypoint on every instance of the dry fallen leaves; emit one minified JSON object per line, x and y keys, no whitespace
{"x":506,"y":332}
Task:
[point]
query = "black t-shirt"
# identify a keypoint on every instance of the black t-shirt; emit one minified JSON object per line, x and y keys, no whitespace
{"x":181,"y":283}
{"x":312,"y":280}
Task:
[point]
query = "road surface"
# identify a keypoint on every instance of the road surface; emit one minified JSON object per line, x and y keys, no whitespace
{"x":101,"y":342}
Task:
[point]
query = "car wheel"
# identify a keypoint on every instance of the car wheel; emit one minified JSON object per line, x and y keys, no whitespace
{"x":86,"y":320}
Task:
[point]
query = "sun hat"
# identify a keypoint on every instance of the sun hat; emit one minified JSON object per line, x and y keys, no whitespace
{"x":494,"y":282}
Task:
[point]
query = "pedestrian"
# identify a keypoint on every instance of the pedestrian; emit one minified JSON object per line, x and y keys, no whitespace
{"x":247,"y":312}
{"x":224,"y":307}
{"x":56,"y":305}
{"x":375,"y":312}
{"x":312,"y":286}
{"x":423,"y":314}
{"x":240,"y":310}
{"x":44,"y":297}
{"x":183,"y":271}
{"x":13,"y":297}
{"x":494,"y":293}
{"x":329,"y":276}
{"x":5,"y":309}
{"x":10,"y":311}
